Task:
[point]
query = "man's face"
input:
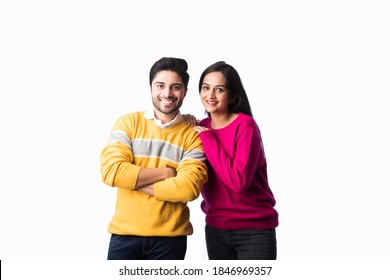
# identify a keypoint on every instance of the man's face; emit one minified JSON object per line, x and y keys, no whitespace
{"x":168,"y":92}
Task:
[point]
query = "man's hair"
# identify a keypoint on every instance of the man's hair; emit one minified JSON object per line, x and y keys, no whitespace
{"x":177,"y":65}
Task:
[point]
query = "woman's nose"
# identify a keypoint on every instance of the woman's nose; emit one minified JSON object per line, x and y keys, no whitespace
{"x":211,"y":94}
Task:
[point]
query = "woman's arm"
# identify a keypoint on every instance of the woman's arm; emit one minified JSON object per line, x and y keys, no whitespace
{"x":236,"y":172}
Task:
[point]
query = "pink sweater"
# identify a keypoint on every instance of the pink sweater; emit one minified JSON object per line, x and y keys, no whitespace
{"x":237,"y":195}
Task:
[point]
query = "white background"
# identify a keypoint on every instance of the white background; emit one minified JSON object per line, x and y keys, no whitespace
{"x":317,"y":75}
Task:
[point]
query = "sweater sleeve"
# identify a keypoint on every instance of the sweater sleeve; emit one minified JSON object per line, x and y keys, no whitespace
{"x":235,"y":172}
{"x":191,"y":176}
{"x":116,"y":160}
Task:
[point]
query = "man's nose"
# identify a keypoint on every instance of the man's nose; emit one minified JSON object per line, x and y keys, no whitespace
{"x":167,"y":91}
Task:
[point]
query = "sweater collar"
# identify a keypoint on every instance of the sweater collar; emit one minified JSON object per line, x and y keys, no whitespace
{"x":149,"y":114}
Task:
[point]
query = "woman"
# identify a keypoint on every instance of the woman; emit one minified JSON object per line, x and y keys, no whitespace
{"x":238,"y":203}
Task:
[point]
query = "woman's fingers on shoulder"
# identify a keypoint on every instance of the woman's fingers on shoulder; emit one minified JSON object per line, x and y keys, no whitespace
{"x":190,"y":119}
{"x":200,"y":128}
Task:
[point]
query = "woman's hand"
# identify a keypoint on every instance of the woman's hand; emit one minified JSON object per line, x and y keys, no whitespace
{"x":200,"y":128}
{"x":190,"y":119}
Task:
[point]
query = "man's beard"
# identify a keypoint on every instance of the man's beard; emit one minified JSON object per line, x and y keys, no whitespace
{"x":165,"y":110}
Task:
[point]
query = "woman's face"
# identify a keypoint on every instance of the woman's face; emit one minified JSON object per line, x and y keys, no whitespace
{"x":214,"y":94}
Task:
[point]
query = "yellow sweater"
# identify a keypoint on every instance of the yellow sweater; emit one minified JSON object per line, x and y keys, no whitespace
{"x":136,"y":142}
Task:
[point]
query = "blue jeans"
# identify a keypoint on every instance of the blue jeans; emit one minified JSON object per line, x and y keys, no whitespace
{"x":253,"y":244}
{"x":131,"y":247}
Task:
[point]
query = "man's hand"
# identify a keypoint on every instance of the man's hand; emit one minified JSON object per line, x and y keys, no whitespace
{"x":165,"y":173}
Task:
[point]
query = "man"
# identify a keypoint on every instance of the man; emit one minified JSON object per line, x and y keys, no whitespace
{"x":156,"y":162}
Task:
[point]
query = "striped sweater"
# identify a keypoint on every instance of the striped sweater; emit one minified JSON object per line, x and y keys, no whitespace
{"x":137,"y":141}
